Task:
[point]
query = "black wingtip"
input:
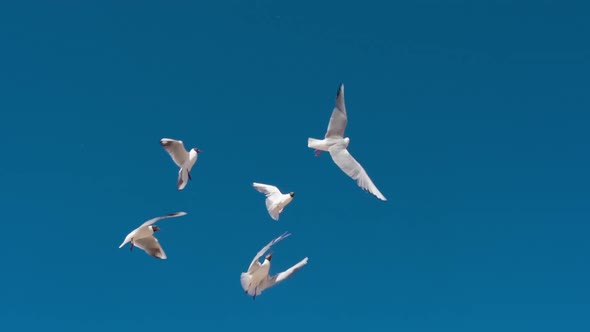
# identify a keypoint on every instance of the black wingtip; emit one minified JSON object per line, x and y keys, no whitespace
{"x":340,"y":87}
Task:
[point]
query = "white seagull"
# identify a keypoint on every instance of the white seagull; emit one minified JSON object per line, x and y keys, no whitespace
{"x":335,"y":143}
{"x":182,"y":158}
{"x":143,"y":236}
{"x":257,"y":278}
{"x":275,"y":199}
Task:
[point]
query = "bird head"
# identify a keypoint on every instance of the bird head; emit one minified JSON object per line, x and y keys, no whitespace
{"x":155,"y":228}
{"x":269,"y":257}
{"x":346,"y":141}
{"x":292,"y":194}
{"x":197,"y":150}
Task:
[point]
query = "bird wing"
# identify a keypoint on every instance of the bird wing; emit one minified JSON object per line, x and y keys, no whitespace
{"x":271,"y":281}
{"x":169,"y":215}
{"x":352,"y":168}
{"x":339,"y":118}
{"x":151,"y":246}
{"x":255,"y":264}
{"x":176,"y":150}
{"x":266,"y":189}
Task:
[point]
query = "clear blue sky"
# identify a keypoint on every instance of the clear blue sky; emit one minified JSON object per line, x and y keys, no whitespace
{"x":470,"y":116}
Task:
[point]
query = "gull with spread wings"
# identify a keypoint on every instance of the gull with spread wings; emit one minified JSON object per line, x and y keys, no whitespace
{"x":275,"y":199}
{"x":257,"y":279}
{"x":182,"y":158}
{"x":143,"y":236}
{"x":335,"y":143}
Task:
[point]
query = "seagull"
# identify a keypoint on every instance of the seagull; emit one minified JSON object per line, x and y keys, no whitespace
{"x":257,"y":278}
{"x":275,"y":200}
{"x":183,"y":159}
{"x":335,"y":143}
{"x":143,"y":236}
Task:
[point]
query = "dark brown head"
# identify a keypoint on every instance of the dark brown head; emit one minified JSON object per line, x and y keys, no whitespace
{"x":155,"y":228}
{"x":197,"y":150}
{"x":292,"y":194}
{"x":269,"y":257}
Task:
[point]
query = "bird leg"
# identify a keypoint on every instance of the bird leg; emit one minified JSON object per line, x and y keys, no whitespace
{"x":189,"y":175}
{"x":317,"y":153}
{"x":131,"y":245}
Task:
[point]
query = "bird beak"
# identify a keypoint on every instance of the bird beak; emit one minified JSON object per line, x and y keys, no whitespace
{"x":292,"y":194}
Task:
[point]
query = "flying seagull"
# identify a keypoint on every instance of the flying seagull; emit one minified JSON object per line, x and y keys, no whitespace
{"x":275,"y":200}
{"x":257,"y":278}
{"x":143,"y":236}
{"x":182,"y":158}
{"x":335,"y":143}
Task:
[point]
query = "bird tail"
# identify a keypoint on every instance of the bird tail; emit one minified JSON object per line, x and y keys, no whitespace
{"x":182,"y":178}
{"x":251,"y":290}
{"x":312,"y":142}
{"x":245,"y":281}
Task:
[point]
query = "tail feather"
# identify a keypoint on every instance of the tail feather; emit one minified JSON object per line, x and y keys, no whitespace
{"x":245,"y":281}
{"x":311,"y":142}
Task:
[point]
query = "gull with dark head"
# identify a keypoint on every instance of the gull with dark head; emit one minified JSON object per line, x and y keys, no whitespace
{"x":275,"y":199}
{"x":182,"y":158}
{"x":335,"y":143}
{"x":143,"y":236}
{"x":257,"y":278}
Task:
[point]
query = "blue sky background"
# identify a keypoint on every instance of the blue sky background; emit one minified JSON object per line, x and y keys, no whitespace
{"x":470,"y":116}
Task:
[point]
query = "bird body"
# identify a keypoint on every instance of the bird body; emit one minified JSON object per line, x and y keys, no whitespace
{"x":138,"y":233}
{"x":259,"y":274}
{"x":326,"y":143}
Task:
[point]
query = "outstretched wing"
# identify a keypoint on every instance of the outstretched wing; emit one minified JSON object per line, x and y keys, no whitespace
{"x":266,"y":189}
{"x":352,"y":168}
{"x":151,"y":246}
{"x":339,"y":118}
{"x":176,"y":150}
{"x":255,"y":264}
{"x":271,"y":281}
{"x":169,"y":215}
